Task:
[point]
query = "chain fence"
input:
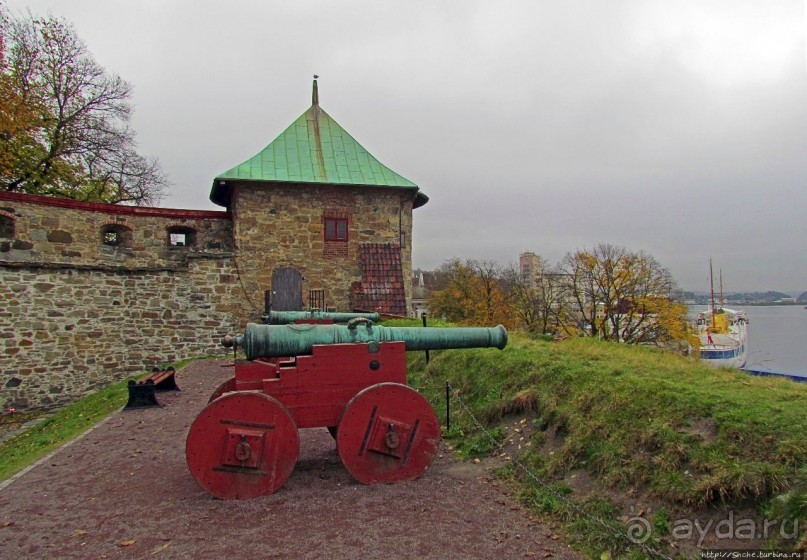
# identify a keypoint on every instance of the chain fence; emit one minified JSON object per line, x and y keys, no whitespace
{"x":626,"y":536}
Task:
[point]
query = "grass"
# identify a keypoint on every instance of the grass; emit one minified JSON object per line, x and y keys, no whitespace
{"x":62,"y":426}
{"x":59,"y":428}
{"x":634,"y":419}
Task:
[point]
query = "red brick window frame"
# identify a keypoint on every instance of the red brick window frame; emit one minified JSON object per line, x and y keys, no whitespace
{"x":336,"y":227}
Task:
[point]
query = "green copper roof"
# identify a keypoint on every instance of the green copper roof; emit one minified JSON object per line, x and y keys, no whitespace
{"x":314,"y":149}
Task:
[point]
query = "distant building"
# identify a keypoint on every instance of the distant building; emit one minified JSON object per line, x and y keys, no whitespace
{"x":420,"y":296}
{"x":530,"y":267}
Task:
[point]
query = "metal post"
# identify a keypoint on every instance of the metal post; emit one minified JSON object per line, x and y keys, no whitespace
{"x":448,"y":407}
{"x":423,"y":316}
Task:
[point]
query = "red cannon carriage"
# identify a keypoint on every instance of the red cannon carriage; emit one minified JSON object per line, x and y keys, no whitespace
{"x":350,"y":379}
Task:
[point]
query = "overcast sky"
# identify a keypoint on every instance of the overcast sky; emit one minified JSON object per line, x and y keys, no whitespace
{"x":676,"y":127}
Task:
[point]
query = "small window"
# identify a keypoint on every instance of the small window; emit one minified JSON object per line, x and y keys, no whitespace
{"x":180,"y":236}
{"x":114,"y":235}
{"x":6,"y":226}
{"x":316,"y":299}
{"x":335,"y":229}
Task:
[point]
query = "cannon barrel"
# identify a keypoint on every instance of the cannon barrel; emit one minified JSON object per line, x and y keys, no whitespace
{"x":269,"y":341}
{"x":285,"y":317}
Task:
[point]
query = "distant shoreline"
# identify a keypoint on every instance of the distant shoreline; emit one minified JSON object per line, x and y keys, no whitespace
{"x":789,"y":304}
{"x":770,"y":304}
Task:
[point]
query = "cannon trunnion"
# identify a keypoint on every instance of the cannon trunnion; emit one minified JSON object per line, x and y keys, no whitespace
{"x":350,"y":379}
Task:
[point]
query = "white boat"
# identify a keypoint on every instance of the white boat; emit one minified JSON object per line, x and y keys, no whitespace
{"x":722,"y":332}
{"x":723,"y":335}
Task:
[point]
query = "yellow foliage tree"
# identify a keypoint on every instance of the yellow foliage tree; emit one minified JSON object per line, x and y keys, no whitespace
{"x":19,"y":117}
{"x":626,"y":296}
{"x":472,"y":294}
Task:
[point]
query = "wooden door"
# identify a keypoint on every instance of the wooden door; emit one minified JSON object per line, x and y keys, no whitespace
{"x":287,"y":289}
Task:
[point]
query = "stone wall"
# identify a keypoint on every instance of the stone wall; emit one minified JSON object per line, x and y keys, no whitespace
{"x":67,"y":331}
{"x":77,"y":314}
{"x":282,"y":226}
{"x":47,"y":229}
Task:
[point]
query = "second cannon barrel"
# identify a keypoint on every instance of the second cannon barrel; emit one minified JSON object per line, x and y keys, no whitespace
{"x":268,"y":341}
{"x":286,"y":317}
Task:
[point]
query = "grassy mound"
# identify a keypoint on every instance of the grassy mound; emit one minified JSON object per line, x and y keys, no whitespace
{"x":635,"y":420}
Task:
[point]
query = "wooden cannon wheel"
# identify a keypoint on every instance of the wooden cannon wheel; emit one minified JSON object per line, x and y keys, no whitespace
{"x":388,"y":433}
{"x":226,"y":387}
{"x":242,"y":445}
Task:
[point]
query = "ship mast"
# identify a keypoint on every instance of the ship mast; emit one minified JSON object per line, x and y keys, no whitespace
{"x":712,"y":289}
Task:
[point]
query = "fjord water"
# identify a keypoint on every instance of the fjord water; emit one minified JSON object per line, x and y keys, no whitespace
{"x":777,"y":336}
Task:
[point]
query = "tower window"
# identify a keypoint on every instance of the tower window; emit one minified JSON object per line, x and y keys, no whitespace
{"x":335,"y":229}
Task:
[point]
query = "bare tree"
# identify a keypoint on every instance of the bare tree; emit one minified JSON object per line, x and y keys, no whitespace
{"x":523,"y":299}
{"x":624,"y":296}
{"x":582,"y":290}
{"x":541,"y":302}
{"x":81,"y":145}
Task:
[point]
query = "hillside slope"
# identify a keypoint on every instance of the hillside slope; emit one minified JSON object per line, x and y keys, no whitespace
{"x":638,"y":425}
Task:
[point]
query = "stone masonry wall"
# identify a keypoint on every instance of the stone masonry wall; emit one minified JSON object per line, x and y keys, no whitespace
{"x":282,"y":226}
{"x":57,"y":230}
{"x":77,"y":314}
{"x":65,"y":332}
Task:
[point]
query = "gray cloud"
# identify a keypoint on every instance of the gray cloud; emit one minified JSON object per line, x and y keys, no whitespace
{"x":675,"y":128}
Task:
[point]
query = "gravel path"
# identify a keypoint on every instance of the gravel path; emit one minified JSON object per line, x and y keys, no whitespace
{"x":124,"y":491}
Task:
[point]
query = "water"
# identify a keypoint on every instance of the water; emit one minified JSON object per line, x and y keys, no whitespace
{"x":777,"y":337}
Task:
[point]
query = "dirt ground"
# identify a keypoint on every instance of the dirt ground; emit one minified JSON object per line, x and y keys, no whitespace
{"x":124,"y":491}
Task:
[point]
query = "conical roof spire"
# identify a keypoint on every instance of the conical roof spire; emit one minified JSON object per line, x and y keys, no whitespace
{"x":314,"y":149}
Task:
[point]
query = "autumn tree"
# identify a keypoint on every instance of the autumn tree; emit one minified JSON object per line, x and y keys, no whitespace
{"x":624,"y":296}
{"x":493,"y":304}
{"x":582,"y":290}
{"x":18,"y":119}
{"x":64,"y":121}
{"x":540,"y":302}
{"x":455,"y":301}
{"x":472,"y":294}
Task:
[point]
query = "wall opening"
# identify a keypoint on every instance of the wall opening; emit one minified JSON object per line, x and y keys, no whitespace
{"x":6,"y":225}
{"x":181,"y":236}
{"x":116,"y":235}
